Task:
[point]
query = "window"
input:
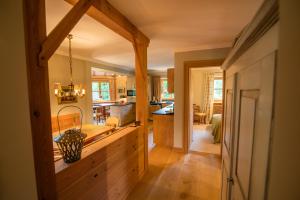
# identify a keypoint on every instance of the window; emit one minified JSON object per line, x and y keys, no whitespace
{"x":101,"y":91}
{"x":218,"y":92}
{"x":164,"y":90}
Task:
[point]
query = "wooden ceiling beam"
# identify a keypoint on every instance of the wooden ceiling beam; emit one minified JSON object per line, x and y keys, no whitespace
{"x":103,"y":12}
{"x":60,"y":32}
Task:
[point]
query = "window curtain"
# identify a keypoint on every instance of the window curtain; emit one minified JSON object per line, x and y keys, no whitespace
{"x":208,"y":94}
{"x":156,"y":87}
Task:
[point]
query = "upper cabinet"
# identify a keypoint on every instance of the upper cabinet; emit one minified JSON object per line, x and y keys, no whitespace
{"x":130,"y":83}
{"x":170,"y":74}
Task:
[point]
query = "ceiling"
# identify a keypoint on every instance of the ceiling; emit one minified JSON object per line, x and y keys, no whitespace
{"x":208,"y":69}
{"x":171,"y":25}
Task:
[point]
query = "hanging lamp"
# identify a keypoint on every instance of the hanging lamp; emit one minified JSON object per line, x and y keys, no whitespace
{"x":69,"y":93}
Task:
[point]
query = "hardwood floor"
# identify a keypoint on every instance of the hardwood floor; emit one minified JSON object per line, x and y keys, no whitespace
{"x":203,"y":141}
{"x":173,"y":175}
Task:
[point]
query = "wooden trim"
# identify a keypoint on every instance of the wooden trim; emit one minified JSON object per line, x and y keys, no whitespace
{"x":177,"y":149}
{"x":60,"y":32}
{"x":102,"y":77}
{"x":39,"y":100}
{"x":106,"y":14}
{"x":265,"y":18}
{"x":203,"y":63}
{"x":223,"y":112}
{"x":187,"y":67}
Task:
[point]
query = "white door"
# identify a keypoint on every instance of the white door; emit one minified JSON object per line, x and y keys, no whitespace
{"x":227,"y":147}
{"x":253,"y":117}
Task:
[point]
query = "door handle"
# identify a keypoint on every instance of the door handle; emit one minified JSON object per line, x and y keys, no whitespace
{"x":230,"y":180}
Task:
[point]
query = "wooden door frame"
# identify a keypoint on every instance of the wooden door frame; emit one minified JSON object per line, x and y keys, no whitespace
{"x":188,"y":65}
{"x":40,"y":47}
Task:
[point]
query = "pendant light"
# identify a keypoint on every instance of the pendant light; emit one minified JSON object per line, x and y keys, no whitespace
{"x":69,"y":93}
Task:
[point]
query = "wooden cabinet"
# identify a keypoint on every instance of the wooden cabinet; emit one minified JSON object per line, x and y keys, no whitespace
{"x":125,"y":113}
{"x":163,"y":130}
{"x":163,"y":126}
{"x":170,"y":74}
{"x":108,"y":169}
{"x":130,"y":84}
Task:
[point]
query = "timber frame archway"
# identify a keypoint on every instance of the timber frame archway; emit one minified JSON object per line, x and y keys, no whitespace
{"x":40,"y":47}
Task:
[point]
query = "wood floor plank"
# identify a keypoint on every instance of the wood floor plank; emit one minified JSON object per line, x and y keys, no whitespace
{"x":174,"y":175}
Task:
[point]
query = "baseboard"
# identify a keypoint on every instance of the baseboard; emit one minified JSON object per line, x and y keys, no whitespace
{"x":178,"y":149}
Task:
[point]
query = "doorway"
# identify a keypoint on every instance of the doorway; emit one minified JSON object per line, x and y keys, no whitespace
{"x":206,"y":86}
{"x":203,"y":106}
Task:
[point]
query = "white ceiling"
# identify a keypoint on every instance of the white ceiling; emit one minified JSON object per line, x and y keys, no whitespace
{"x":208,"y":69}
{"x":171,"y":25}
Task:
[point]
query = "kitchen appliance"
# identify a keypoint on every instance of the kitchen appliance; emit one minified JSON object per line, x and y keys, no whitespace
{"x":131,"y":93}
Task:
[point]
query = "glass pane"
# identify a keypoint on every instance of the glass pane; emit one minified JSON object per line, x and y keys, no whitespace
{"x":95,"y":86}
{"x":95,"y":96}
{"x":218,"y":84}
{"x":165,"y":85}
{"x":218,"y":94}
{"x":104,"y":86}
{"x":164,"y":90}
{"x":105,"y":95}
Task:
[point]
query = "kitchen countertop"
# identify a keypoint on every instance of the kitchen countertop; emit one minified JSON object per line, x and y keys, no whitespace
{"x":168,"y":110}
{"x":122,"y":104}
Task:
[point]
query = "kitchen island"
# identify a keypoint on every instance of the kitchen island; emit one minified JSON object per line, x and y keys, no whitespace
{"x":124,"y":112}
{"x":163,"y":126}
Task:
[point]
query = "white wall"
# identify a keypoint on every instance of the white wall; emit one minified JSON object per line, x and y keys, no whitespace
{"x":180,"y":57}
{"x":284,"y":168}
{"x":17,"y":176}
{"x":59,"y":72}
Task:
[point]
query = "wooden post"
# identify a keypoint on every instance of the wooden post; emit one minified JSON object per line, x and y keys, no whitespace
{"x":60,"y":32}
{"x":38,"y":85}
{"x":140,"y":48}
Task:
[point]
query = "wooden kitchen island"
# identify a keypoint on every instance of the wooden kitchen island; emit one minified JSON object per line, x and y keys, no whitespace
{"x":124,"y":112}
{"x":163,"y":126}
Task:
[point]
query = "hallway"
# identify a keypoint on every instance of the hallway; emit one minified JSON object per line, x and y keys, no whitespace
{"x":173,"y":175}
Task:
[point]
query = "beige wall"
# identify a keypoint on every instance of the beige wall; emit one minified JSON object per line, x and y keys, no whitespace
{"x":180,"y":57}
{"x":59,"y":72}
{"x":197,"y":82}
{"x":17,"y":176}
{"x":284,"y":178}
{"x":197,"y":87}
